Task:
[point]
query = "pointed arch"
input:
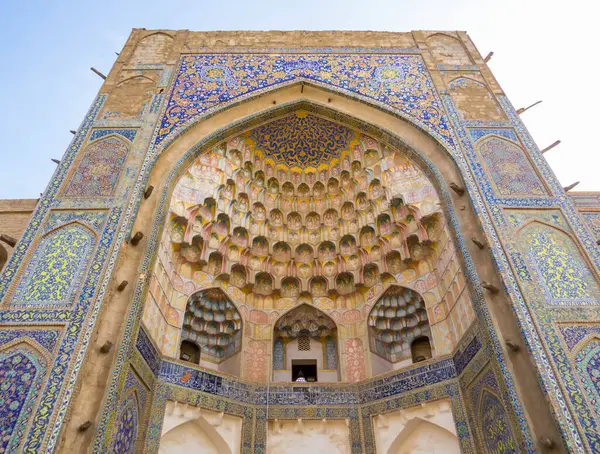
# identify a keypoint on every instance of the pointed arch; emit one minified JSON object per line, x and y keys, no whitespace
{"x":430,"y":433}
{"x":152,"y":48}
{"x":98,"y":170}
{"x":509,"y":168}
{"x":127,"y":424}
{"x":180,"y":160}
{"x":214,"y":324}
{"x":23,"y":367}
{"x":136,"y":77}
{"x":129,"y":97}
{"x":398,"y":318}
{"x":53,"y":272}
{"x":305,"y":333}
{"x":467,"y":92}
{"x":191,"y":427}
{"x":495,"y":425}
{"x":448,"y":50}
{"x":565,"y":273}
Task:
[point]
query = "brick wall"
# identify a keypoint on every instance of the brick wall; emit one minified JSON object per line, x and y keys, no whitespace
{"x":14,"y":216}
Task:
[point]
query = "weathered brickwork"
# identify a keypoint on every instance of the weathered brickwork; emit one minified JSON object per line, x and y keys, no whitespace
{"x":14,"y":216}
{"x":223,"y":183}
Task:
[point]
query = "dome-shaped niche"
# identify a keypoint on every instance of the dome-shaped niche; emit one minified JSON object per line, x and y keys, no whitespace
{"x":271,"y":216}
{"x":212,"y":332}
{"x":305,"y":347}
{"x":399,"y":331}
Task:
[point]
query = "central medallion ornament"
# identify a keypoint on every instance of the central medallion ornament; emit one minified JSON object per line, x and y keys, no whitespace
{"x":301,"y":139}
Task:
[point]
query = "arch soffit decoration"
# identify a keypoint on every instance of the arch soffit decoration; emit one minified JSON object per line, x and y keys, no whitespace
{"x":239,"y":126}
{"x":231,"y":298}
{"x":188,"y":155}
{"x":234,"y":302}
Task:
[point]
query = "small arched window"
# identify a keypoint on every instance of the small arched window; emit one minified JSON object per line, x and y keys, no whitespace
{"x":420,"y":349}
{"x":189,"y":352}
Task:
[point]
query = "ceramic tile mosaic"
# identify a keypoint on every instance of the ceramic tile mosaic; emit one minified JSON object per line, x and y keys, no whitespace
{"x":400,"y":81}
{"x":60,"y":270}
{"x":98,"y":171}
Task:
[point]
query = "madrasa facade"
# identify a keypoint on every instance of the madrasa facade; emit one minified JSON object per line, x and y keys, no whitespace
{"x":291,"y":242}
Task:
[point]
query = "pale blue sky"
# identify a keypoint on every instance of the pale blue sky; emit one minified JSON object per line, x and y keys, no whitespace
{"x":543,"y":50}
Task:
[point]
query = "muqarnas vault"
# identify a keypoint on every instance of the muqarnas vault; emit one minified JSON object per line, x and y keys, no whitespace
{"x":286,"y":242}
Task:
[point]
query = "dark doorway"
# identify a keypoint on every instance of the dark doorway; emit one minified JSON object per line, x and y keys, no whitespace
{"x":304,"y":368}
{"x":190,"y":352}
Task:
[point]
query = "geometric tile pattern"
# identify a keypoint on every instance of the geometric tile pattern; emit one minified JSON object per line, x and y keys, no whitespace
{"x":129,"y":134}
{"x":509,"y":169}
{"x":573,"y":334}
{"x":389,"y":80}
{"x":47,"y":338}
{"x":400,"y":81}
{"x":302,"y":140}
{"x":93,"y":219}
{"x":148,"y":352}
{"x":496,"y":428}
{"x":478,"y":133}
{"x":98,"y":171}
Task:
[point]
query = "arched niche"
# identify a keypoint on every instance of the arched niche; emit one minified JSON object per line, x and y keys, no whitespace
{"x":399,"y":330}
{"x":130,"y":97}
{"x":212,"y":332}
{"x":23,"y":367}
{"x":251,"y":217}
{"x":564,"y":273}
{"x":405,"y":236}
{"x":448,"y":50}
{"x":186,"y":428}
{"x":98,"y":170}
{"x":152,"y":48}
{"x":56,"y":268}
{"x":429,"y":427}
{"x":421,"y":435}
{"x":305,"y":346}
